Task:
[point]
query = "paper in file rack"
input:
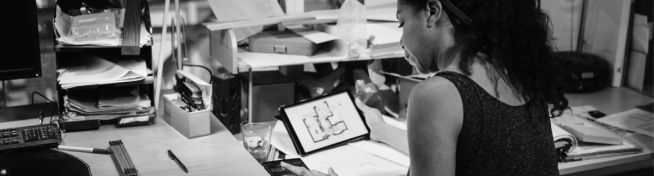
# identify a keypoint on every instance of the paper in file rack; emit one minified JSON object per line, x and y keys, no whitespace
{"x":107,"y":103}
{"x":93,"y":70}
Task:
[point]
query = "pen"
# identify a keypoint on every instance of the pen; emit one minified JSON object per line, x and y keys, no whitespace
{"x":84,"y":149}
{"x":174,"y":158}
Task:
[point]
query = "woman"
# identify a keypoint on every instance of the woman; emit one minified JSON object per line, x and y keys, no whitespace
{"x":486,"y":111}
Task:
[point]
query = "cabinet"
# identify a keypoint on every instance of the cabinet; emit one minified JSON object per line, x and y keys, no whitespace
{"x":136,"y":15}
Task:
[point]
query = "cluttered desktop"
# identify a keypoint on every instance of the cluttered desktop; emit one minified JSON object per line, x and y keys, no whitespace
{"x":130,"y":101}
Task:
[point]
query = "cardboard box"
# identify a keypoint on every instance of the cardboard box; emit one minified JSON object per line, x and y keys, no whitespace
{"x":282,"y":42}
{"x":190,"y":124}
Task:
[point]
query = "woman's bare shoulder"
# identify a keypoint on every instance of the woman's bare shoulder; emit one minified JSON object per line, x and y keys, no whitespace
{"x":436,"y":98}
{"x":435,"y":88}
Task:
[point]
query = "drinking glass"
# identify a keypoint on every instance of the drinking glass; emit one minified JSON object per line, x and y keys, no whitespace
{"x":256,"y":140}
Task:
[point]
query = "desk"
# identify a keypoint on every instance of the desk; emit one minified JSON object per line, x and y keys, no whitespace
{"x":221,"y":154}
{"x":217,"y":154}
{"x":610,"y":101}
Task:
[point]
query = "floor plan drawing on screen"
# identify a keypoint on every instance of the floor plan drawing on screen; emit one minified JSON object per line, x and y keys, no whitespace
{"x":324,"y":121}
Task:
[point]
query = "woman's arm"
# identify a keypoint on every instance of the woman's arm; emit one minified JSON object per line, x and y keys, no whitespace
{"x":435,"y":117}
{"x":382,"y":132}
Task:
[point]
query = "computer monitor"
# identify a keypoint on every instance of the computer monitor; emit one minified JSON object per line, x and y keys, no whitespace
{"x":20,"y":53}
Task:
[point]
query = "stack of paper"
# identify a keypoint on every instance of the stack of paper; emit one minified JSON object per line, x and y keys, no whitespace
{"x":107,"y":103}
{"x":93,"y":70}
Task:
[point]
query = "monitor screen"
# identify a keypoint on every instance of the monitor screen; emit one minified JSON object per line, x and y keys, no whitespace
{"x":325,"y":121}
{"x":21,"y":55}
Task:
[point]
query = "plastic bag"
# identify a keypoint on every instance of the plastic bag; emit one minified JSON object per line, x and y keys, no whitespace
{"x":351,"y":27}
{"x":369,"y":95}
{"x":96,"y":26}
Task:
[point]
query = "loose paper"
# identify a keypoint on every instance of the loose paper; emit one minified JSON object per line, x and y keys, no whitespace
{"x":636,"y":120}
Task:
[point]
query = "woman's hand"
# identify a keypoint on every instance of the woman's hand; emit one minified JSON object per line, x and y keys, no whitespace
{"x":373,"y":119}
{"x":301,"y":171}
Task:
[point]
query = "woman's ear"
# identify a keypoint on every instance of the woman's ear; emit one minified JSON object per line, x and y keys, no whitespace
{"x":434,"y":11}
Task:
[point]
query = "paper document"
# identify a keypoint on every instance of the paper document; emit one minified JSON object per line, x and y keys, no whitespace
{"x":636,"y":120}
{"x":314,"y":36}
{"x":114,"y":102}
{"x":93,"y":70}
{"x":123,"y":98}
{"x":357,"y":158}
{"x":348,"y":160}
{"x":383,"y":151}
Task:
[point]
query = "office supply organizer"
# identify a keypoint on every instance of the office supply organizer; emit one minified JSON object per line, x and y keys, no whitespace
{"x":137,"y":17}
{"x":121,"y":159}
{"x":47,"y":136}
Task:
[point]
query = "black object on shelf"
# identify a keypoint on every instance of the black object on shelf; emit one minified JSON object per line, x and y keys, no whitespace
{"x":83,"y":125}
{"x":584,"y":72}
{"x":226,"y":100}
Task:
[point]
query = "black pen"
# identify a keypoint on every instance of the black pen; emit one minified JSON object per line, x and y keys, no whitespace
{"x":174,"y":158}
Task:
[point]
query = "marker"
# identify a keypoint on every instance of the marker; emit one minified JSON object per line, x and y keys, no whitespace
{"x":84,"y":149}
{"x":174,"y":158}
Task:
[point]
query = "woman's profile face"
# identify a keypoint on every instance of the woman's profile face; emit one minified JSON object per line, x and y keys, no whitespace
{"x":414,"y":41}
{"x":419,"y":41}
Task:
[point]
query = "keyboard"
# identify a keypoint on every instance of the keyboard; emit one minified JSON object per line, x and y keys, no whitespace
{"x":30,"y":136}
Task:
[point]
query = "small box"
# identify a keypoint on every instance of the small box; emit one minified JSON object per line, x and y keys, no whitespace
{"x":190,"y":124}
{"x":282,"y":42}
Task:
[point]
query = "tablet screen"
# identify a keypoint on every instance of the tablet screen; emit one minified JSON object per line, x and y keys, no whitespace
{"x":325,"y":121}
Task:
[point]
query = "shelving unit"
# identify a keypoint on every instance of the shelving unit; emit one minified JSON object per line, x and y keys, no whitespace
{"x":224,"y":48}
{"x":130,"y":49}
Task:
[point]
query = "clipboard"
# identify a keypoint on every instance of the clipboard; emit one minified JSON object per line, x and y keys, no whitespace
{"x":324,"y":122}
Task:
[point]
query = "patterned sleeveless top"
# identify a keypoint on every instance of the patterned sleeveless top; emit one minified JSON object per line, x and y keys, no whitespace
{"x":500,"y":139}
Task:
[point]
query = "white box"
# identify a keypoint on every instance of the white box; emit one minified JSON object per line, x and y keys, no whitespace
{"x":190,"y":124}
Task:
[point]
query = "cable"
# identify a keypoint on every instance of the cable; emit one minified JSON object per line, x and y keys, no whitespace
{"x":208,"y":70}
{"x":52,"y":113}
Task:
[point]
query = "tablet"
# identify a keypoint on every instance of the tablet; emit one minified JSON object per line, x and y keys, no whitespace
{"x":323,"y":122}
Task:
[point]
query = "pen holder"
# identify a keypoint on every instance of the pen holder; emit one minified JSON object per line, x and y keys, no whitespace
{"x":190,"y":124}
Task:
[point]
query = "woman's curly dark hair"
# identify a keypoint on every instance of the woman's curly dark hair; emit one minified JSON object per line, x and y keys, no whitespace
{"x":513,"y":37}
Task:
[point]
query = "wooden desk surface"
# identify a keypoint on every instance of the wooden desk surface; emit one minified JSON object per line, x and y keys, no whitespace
{"x":217,"y":154}
{"x":610,"y":101}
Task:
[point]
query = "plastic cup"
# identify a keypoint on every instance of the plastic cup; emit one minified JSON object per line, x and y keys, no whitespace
{"x":256,"y":140}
